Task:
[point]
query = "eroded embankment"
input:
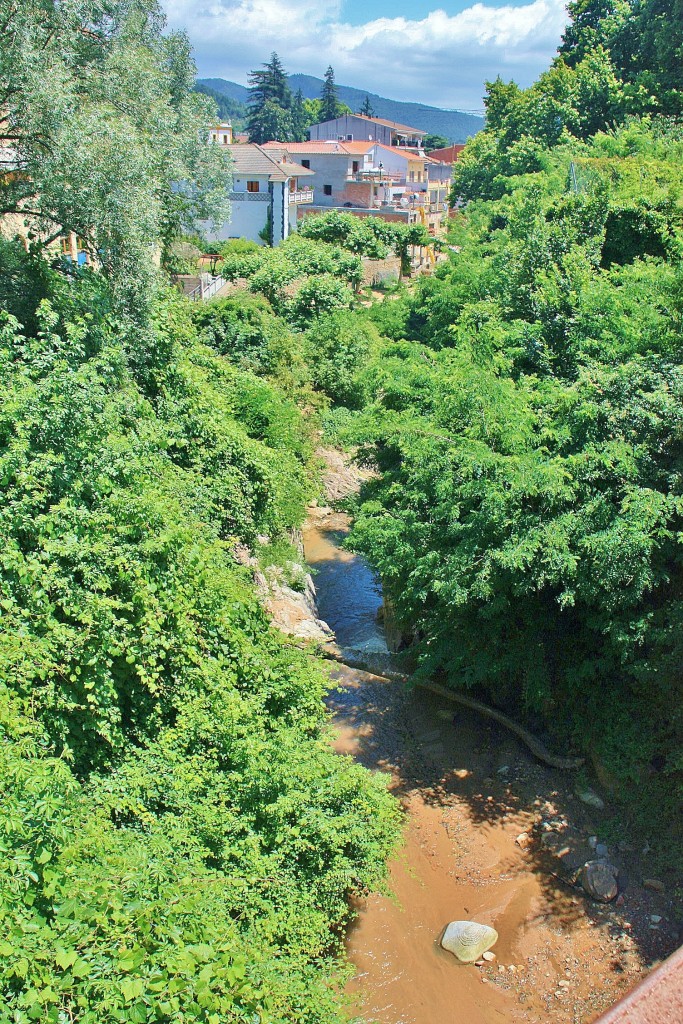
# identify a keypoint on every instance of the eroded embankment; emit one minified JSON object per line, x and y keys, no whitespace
{"x":490,"y":835}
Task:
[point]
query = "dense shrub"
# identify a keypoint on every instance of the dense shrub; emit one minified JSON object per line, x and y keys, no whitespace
{"x":179,"y":842}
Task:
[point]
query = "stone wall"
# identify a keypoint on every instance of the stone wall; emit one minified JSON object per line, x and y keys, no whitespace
{"x":387,"y":271}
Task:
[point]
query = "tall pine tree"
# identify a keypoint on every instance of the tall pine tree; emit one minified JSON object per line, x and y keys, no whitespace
{"x":300,"y":119}
{"x":367,"y":109}
{"x":270,"y":103}
{"x":329,"y":104}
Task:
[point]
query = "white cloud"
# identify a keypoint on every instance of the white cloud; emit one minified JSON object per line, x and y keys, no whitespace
{"x":440,"y":59}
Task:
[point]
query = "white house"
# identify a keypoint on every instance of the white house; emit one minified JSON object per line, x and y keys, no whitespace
{"x":221,"y":133}
{"x":266,"y":193}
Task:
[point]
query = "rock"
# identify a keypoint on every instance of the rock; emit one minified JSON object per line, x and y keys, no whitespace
{"x":587,"y":796}
{"x":655,"y":918}
{"x":488,"y":955}
{"x":468,"y":940}
{"x":599,"y":880}
{"x":601,"y":850}
{"x":655,"y":884}
{"x":592,"y":842}
{"x":523,"y":840}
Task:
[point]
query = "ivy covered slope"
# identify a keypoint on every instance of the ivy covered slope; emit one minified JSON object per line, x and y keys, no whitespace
{"x":177,"y":841}
{"x":527,"y":523}
{"x":177,"y":838}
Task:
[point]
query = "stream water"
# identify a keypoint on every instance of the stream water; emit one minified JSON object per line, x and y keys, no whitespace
{"x":469,"y":791}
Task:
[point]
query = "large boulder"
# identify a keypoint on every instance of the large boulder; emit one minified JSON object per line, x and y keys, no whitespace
{"x":468,"y":940}
{"x":599,"y":880}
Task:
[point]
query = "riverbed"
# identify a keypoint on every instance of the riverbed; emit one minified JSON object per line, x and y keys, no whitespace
{"x":471,"y":793}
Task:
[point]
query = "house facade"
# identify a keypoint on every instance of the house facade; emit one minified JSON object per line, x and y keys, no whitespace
{"x":267,"y":190}
{"x":337,"y":169}
{"x":221,"y":134}
{"x":359,"y":128}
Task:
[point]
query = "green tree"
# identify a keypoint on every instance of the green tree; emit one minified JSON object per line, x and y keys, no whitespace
{"x":270,"y":84}
{"x":104,"y":135}
{"x":270,"y":103}
{"x":367,"y":108}
{"x":592,"y":23}
{"x":435,"y":142}
{"x":271,"y":122}
{"x":300,"y":118}
{"x":329,"y":103}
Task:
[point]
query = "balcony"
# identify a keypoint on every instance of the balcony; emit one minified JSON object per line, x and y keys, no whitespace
{"x":304,"y":195}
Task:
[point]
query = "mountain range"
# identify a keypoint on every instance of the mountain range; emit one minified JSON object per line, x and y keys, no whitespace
{"x":455,"y":125}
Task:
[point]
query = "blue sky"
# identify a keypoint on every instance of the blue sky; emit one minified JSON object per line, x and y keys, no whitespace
{"x":428,"y":53}
{"x":357,"y":12}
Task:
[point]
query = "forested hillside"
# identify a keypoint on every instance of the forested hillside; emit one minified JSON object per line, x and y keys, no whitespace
{"x":454,"y":125}
{"x":527,"y":522}
{"x":179,"y":842}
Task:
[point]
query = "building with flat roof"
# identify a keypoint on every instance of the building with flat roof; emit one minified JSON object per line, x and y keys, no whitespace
{"x":359,"y":128}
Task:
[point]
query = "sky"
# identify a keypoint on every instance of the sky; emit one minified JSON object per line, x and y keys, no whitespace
{"x":440,"y":55}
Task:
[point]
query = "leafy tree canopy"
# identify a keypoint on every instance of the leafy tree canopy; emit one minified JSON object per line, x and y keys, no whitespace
{"x":104,"y":135}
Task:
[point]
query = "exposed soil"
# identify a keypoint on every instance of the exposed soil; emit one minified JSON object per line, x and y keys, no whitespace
{"x":491,"y":835}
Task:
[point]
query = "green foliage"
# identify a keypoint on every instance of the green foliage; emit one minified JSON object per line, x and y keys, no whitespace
{"x":244,"y":328}
{"x":178,"y":839}
{"x":432,"y":142}
{"x":525,"y":420}
{"x":270,"y":104}
{"x":107,"y":134}
{"x":367,"y":108}
{"x":227,"y":108}
{"x":329,"y":103}
{"x":338,"y":346}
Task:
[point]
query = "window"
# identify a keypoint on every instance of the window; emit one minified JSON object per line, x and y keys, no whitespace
{"x":349,"y":138}
{"x":252,"y":186}
{"x":327,"y":189}
{"x":355,"y":165}
{"x":306,"y":163}
{"x":225,"y":140}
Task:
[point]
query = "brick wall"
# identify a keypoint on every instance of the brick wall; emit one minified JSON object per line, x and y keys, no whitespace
{"x":358,"y":193}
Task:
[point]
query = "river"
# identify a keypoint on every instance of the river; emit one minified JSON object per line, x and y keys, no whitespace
{"x":469,"y":791}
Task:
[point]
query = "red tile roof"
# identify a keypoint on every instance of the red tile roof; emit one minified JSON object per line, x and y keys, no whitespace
{"x":448,"y":155}
{"x":321,"y":147}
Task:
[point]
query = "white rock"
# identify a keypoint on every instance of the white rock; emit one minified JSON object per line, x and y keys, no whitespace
{"x":587,"y":796}
{"x":488,"y":955}
{"x":468,"y":940}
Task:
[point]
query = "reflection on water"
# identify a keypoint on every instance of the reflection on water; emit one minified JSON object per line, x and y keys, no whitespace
{"x":348,"y":595}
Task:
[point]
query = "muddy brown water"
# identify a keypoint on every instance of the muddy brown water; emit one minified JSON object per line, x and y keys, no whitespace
{"x":469,"y":790}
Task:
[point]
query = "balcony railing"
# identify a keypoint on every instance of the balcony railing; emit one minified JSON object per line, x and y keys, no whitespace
{"x":304,"y":195}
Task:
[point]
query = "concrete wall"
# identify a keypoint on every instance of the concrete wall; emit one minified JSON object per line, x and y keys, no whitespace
{"x":329,"y":169}
{"x":248,"y":215}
